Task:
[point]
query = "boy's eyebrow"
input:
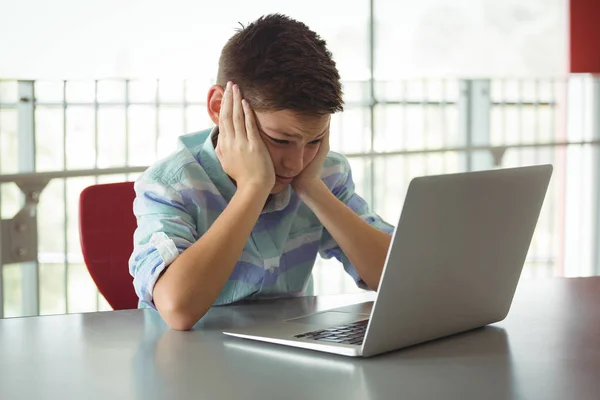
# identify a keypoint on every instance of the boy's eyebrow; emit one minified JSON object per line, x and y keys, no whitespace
{"x":293,"y":135}
{"x":321,"y":136}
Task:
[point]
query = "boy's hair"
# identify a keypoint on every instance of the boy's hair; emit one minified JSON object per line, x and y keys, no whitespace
{"x":280,"y":64}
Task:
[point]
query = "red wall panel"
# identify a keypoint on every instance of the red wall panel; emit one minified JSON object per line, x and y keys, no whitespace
{"x":585,"y":36}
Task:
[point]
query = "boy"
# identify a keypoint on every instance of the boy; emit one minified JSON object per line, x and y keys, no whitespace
{"x":241,"y":211}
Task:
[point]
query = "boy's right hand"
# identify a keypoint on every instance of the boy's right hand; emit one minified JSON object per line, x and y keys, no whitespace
{"x":240,"y":149}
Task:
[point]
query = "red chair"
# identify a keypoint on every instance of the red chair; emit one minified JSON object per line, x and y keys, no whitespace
{"x":106,"y":226}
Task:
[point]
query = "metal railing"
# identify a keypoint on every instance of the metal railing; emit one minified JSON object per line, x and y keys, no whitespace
{"x":392,"y":132}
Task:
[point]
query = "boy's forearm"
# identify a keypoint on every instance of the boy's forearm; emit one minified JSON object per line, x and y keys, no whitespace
{"x":191,"y":284}
{"x":365,"y":246}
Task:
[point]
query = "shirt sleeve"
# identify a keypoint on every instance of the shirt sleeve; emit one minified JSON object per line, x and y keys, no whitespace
{"x":338,"y":177}
{"x":165,"y":229}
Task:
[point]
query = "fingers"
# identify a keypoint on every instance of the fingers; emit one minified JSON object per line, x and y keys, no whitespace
{"x":225,"y":115}
{"x":250,"y":123}
{"x":238,"y":112}
{"x":325,"y":140}
{"x":323,"y":148}
{"x":325,"y":143}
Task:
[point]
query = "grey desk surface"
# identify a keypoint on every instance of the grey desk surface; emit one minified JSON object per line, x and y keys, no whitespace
{"x":547,"y":348}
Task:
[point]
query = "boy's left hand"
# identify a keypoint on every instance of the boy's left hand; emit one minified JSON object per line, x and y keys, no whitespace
{"x":312,"y":173}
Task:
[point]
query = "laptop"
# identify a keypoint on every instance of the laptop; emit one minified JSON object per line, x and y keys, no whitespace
{"x":453,"y":265}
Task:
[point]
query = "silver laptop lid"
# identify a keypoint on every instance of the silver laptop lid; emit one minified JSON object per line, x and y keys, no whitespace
{"x":456,"y":255}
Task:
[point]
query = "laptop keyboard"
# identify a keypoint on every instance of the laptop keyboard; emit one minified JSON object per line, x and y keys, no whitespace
{"x":353,"y":333}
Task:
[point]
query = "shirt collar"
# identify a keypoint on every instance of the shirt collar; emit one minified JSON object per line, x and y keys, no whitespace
{"x":224,"y":184}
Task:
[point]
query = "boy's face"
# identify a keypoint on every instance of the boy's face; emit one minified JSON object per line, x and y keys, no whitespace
{"x":292,"y":140}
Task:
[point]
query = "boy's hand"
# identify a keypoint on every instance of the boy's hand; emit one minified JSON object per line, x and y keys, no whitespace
{"x":240,"y":149}
{"x":312,"y":173}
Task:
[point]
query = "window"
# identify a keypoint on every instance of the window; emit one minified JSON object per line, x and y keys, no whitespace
{"x":412,"y":125}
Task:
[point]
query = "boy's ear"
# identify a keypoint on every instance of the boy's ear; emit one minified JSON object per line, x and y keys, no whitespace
{"x":213,"y":102}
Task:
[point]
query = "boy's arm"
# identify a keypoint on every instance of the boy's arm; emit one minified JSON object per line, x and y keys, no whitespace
{"x":191,"y":284}
{"x":364,"y":245}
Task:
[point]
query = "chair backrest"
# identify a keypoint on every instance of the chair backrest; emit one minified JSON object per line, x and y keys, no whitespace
{"x":106,"y":227}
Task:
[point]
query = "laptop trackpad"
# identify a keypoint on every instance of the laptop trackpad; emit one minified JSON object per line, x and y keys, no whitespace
{"x":331,"y":318}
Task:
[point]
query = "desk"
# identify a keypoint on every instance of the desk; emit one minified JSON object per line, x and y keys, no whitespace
{"x":548,"y":348}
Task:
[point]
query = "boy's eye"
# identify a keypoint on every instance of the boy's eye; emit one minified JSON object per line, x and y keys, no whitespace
{"x":283,"y":141}
{"x":279,"y":141}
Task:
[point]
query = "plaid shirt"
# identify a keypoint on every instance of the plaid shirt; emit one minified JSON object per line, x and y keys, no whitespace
{"x":179,"y":198}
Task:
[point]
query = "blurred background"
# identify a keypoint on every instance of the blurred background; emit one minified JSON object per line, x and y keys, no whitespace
{"x":435,"y":86}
